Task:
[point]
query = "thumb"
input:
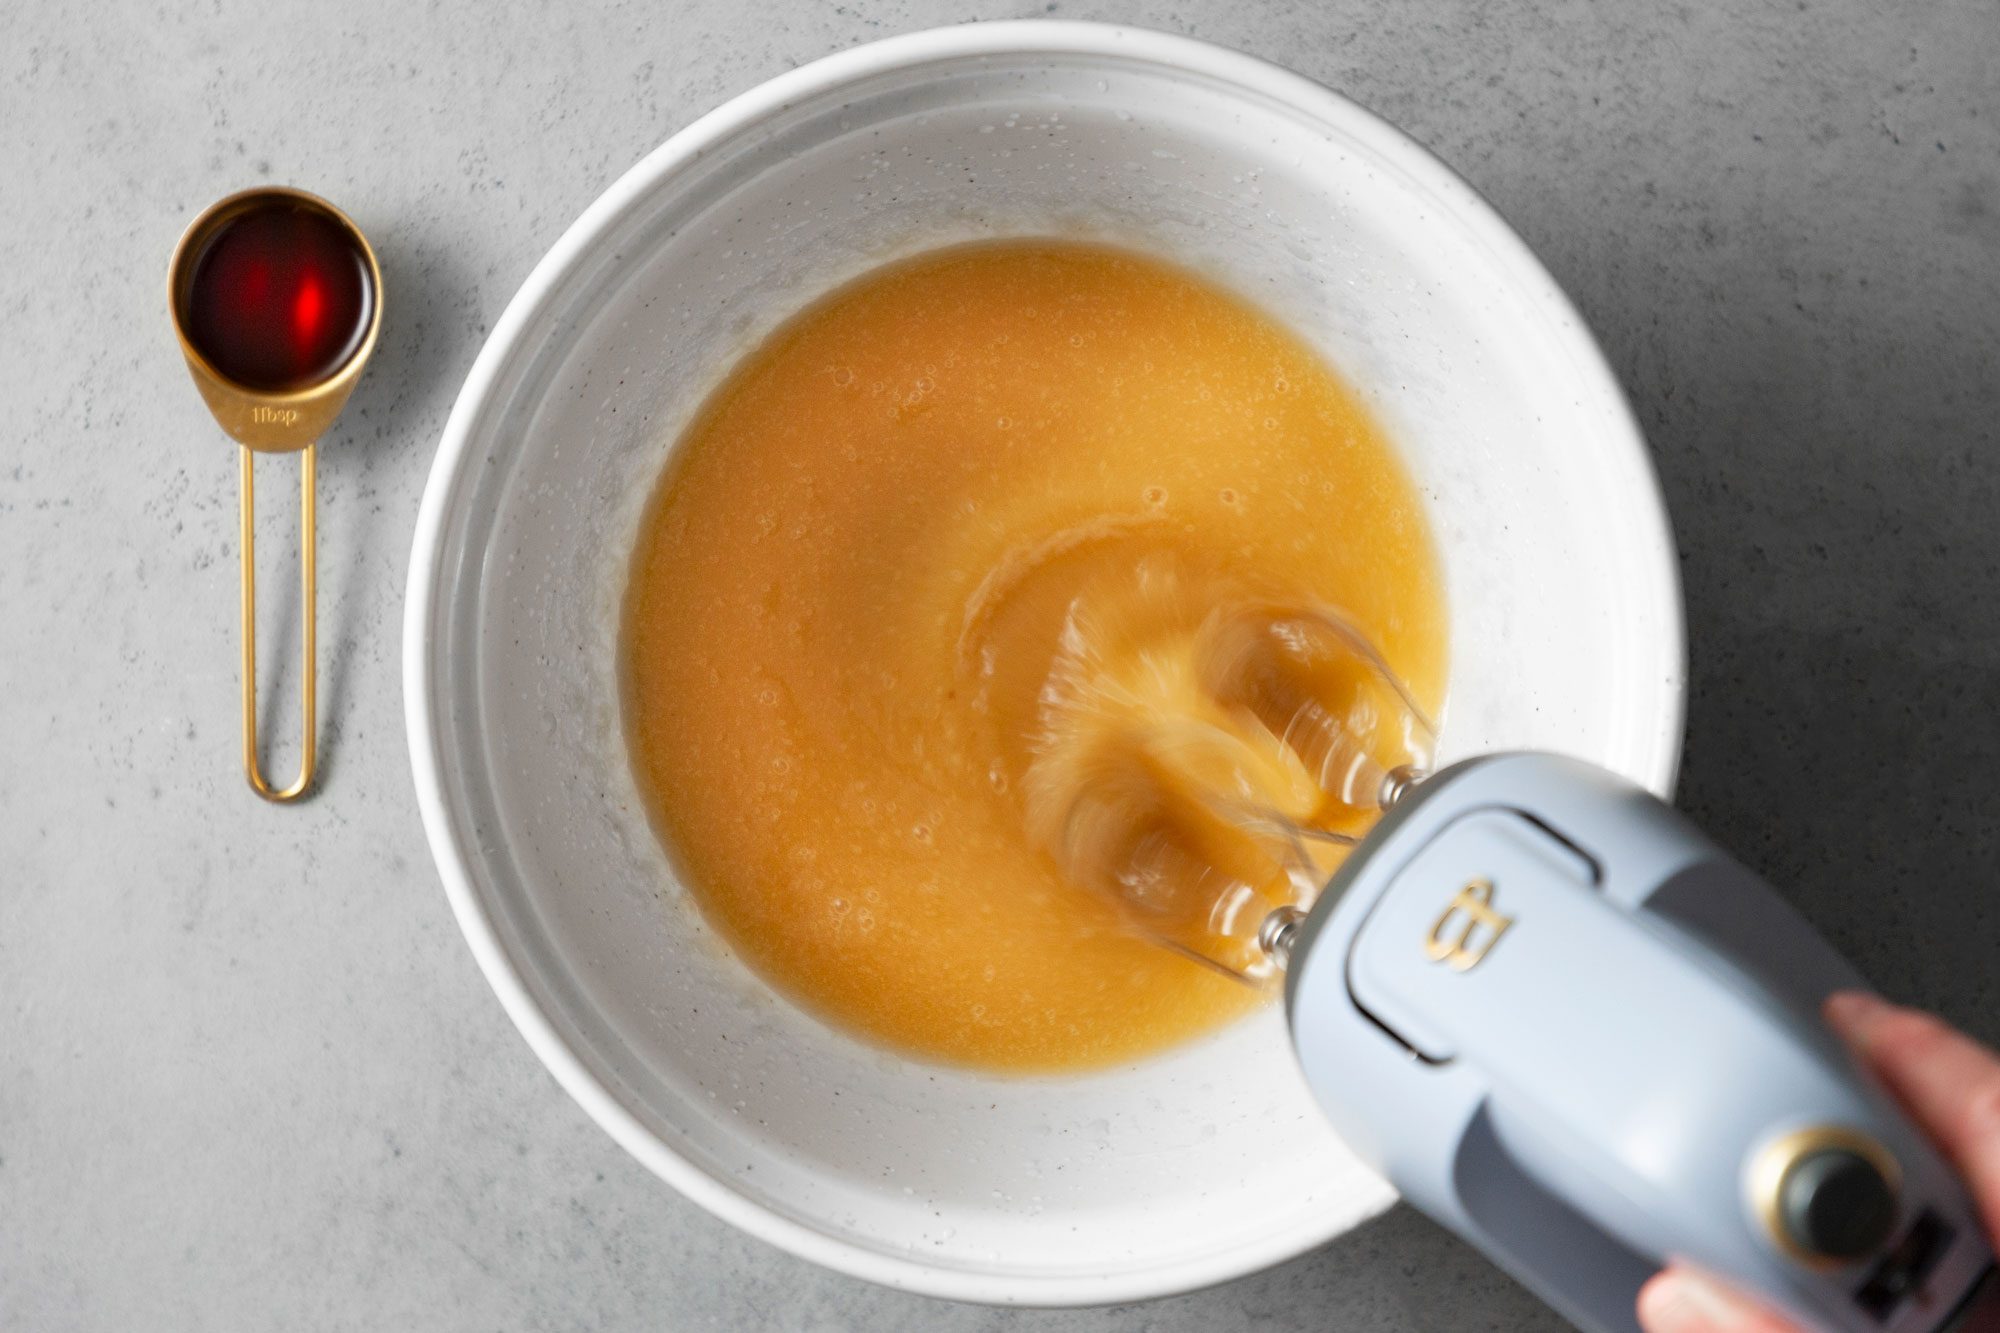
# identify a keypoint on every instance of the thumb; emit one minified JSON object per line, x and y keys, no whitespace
{"x":1681,"y":1300}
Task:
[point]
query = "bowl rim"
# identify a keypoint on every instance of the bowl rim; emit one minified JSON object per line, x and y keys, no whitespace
{"x":449,"y":843}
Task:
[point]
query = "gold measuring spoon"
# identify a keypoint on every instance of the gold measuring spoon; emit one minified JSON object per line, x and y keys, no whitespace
{"x":277,"y":299}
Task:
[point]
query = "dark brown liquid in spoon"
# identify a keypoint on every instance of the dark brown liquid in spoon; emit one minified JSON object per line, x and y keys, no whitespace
{"x":280,"y":297}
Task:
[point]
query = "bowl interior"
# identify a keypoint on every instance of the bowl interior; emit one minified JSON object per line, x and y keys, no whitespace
{"x":1211,"y":1160}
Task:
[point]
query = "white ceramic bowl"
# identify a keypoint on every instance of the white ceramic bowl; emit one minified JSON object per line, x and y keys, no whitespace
{"x":1566,"y":631}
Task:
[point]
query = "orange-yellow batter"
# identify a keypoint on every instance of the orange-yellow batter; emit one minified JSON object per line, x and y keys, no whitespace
{"x":845,"y":591}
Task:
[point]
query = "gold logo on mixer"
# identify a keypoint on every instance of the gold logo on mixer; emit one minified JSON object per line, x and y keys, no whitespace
{"x":1468,"y":928}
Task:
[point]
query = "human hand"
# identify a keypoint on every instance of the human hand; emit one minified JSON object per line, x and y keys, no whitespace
{"x":1948,"y":1084}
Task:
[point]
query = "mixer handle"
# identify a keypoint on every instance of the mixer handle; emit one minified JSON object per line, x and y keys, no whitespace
{"x":1560,"y":948}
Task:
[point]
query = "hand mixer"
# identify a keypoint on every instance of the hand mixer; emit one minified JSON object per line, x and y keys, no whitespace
{"x":1559,"y":1019}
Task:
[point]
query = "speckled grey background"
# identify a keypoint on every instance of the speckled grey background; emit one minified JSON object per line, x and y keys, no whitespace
{"x":250,"y":1078}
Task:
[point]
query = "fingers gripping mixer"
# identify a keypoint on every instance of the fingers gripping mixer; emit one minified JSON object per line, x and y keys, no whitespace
{"x":1573,"y":1030}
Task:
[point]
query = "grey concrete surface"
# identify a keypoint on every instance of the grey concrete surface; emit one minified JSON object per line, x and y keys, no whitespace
{"x":250,"y":1078}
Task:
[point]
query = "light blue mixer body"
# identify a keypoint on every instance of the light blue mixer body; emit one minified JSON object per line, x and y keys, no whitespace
{"x":1569,"y":1027}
